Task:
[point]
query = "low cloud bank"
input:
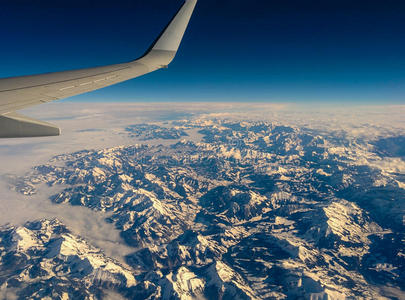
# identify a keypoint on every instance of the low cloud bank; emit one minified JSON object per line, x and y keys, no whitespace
{"x":17,"y":209}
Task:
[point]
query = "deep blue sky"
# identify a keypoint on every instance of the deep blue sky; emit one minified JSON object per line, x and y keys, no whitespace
{"x":252,"y":50}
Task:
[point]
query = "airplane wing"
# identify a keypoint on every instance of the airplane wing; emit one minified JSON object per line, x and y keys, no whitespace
{"x":20,"y":92}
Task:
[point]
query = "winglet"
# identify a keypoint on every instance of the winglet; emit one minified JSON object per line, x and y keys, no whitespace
{"x":166,"y":45}
{"x":171,"y":37}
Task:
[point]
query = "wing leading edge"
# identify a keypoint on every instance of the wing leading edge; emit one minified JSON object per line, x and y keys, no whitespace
{"x":21,"y":92}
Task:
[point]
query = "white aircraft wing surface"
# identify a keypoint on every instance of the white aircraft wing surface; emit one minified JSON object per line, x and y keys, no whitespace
{"x":21,"y":92}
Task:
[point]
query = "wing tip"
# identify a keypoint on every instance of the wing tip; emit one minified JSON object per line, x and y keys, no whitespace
{"x":170,"y":38}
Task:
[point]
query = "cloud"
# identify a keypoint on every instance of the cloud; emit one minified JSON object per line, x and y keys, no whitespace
{"x":111,"y":295}
{"x":17,"y":209}
{"x":8,"y":293}
{"x":84,"y":126}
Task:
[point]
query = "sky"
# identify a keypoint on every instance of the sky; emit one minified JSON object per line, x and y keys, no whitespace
{"x":273,"y":51}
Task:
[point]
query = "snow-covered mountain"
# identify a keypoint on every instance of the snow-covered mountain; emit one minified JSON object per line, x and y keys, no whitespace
{"x":255,"y":210}
{"x":44,"y":259}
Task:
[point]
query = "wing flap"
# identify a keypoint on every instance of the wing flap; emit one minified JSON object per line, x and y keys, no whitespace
{"x":12,"y":100}
{"x":16,"y":126}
